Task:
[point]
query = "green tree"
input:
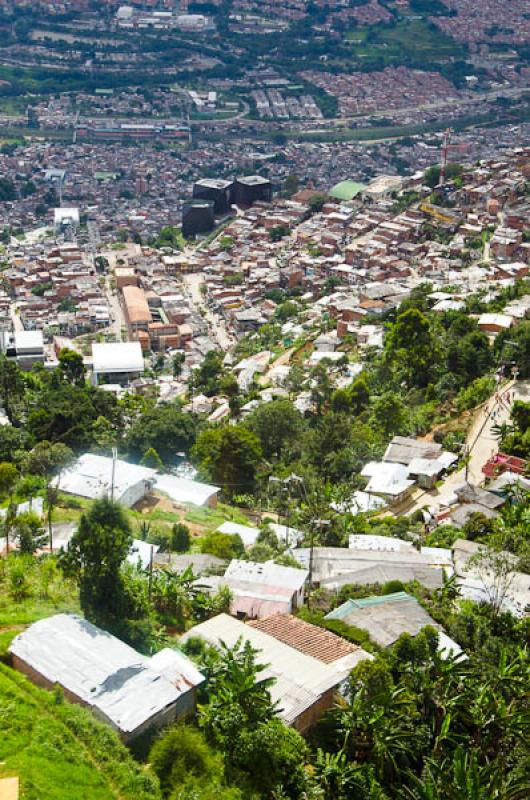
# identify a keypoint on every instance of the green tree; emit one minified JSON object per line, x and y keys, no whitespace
{"x":321,"y":389}
{"x":181,"y":756}
{"x":291,"y":185}
{"x":180,"y":538}
{"x":165,"y":428}
{"x":238,"y":697}
{"x":151,"y":459}
{"x":48,"y":460}
{"x":207,"y":377}
{"x":222,"y":545}
{"x":64,"y":412}
{"x":14,"y":443}
{"x":316,"y":202}
{"x":411,"y":348}
{"x":29,"y":533}
{"x":513,"y":347}
{"x":8,"y":480}
{"x":278,"y":232}
{"x":389,"y":414}
{"x":279,"y":426}
{"x":177,"y":364}
{"x":11,"y":385}
{"x":72,"y":366}
{"x":230,"y":456}
{"x":110,"y":595}
{"x":273,"y":757}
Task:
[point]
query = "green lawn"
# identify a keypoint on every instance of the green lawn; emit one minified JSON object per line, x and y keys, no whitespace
{"x":414,"y":38}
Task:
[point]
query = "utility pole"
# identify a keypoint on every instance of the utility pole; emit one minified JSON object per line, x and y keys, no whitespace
{"x":150,"y":589}
{"x":114,"y":457}
{"x":467,"y":456}
{"x":316,"y":524}
{"x":284,"y":497}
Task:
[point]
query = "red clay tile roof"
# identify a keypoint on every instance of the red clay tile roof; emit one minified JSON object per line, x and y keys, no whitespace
{"x":305,"y":637}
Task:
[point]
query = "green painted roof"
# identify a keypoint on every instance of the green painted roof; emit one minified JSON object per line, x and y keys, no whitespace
{"x":346,"y":190}
{"x":364,"y":602}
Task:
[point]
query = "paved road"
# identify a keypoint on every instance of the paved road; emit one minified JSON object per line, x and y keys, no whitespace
{"x":15,"y":317}
{"x":216,"y":324}
{"x":482,"y":445}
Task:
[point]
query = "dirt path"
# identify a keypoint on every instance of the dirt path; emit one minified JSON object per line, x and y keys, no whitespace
{"x":284,"y":358}
{"x":481,"y":443}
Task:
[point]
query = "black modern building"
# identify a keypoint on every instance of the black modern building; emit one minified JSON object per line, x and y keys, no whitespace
{"x":197,"y":217}
{"x":251,"y":188}
{"x":219,"y":192}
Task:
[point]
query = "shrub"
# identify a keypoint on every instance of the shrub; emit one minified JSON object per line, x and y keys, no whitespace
{"x":181,"y":754}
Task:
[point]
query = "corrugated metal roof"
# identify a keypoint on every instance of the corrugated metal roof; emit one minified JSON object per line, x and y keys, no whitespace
{"x":117,"y":357}
{"x":184,"y":491}
{"x":388,"y":616}
{"x":389,"y":544}
{"x":403,"y":449}
{"x":91,"y":476}
{"x":125,"y":687}
{"x":427,"y":576}
{"x":300,"y":679}
{"x":247,"y":534}
{"x":273,"y":577}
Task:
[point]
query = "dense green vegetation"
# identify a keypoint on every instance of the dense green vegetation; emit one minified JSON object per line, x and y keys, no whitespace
{"x":411,"y":724}
{"x":433,"y":368}
{"x":413,"y":42}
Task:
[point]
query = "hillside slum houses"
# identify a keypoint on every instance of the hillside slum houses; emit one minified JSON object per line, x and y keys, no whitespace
{"x":308,"y":663}
{"x":129,"y":691}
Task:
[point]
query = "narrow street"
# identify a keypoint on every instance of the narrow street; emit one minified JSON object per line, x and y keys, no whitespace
{"x":481,"y":443}
{"x":216,"y":324}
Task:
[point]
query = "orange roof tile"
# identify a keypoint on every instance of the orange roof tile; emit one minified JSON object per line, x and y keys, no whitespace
{"x":305,"y":637}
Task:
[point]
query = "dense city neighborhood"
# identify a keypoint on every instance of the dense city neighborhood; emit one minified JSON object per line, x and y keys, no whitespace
{"x":264,"y":400}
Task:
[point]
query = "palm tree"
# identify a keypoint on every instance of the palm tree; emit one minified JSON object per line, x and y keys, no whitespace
{"x":502,"y":430}
{"x":464,"y":778}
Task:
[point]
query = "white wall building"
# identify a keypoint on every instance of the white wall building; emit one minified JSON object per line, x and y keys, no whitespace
{"x":117,"y":362}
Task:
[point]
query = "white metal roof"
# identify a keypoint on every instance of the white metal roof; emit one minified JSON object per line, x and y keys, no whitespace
{"x":61,"y":214}
{"x":28,"y":340}
{"x":286,"y":580}
{"x":117,"y":357}
{"x":300,"y":679}
{"x":360,"y":502}
{"x":91,"y":476}
{"x":388,"y":544}
{"x":140,"y":552}
{"x":498,"y":320}
{"x":386,"y":478}
{"x":248,"y":534}
{"x":127,"y":688}
{"x":184,"y":491}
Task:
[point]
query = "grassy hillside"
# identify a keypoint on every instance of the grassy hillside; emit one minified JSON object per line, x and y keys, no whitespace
{"x":60,"y":752}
